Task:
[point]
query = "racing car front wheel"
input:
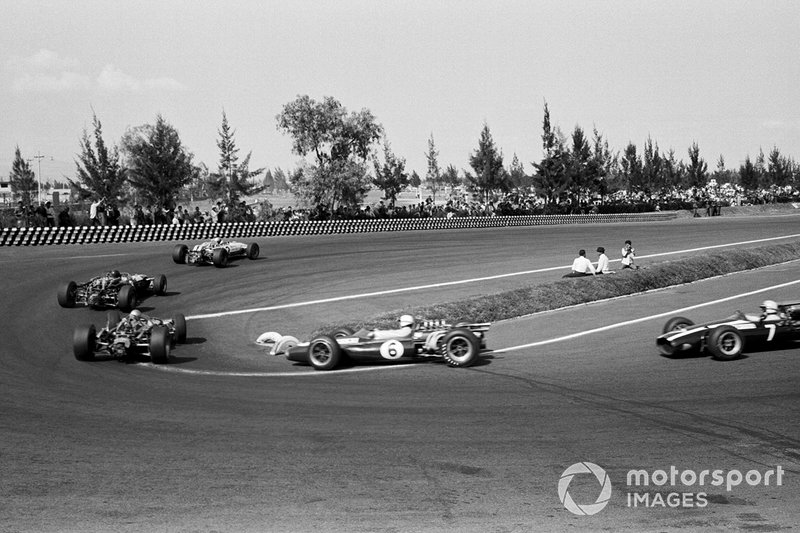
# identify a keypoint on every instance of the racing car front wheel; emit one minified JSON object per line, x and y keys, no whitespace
{"x":324,"y":353}
{"x":66,"y":294}
{"x":220,"y":258}
{"x":460,"y":347}
{"x":179,"y":253}
{"x":160,"y":343}
{"x":725,"y":343}
{"x":253,"y":251}
{"x":83,"y":343}
{"x":676,"y":323}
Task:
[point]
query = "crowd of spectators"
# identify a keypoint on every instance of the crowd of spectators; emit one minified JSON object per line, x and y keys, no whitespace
{"x":705,"y":201}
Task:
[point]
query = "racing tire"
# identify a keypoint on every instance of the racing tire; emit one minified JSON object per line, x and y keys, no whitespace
{"x":674,"y":324}
{"x":113,"y":318}
{"x":460,"y":347}
{"x":220,"y":258}
{"x":126,"y":298}
{"x":324,"y":353}
{"x":179,"y":253}
{"x":160,"y":285}
{"x":725,"y":343}
{"x":160,"y":344}
{"x":66,"y":294}
{"x":83,"y":343}
{"x":179,"y":323}
{"x":253,"y":250}
{"x":342,"y":332}
{"x":284,"y":344}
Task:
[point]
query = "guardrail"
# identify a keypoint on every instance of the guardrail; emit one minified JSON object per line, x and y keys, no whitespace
{"x":114,"y":234}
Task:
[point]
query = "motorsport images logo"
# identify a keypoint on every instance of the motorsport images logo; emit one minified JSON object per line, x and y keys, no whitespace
{"x":585,"y":509}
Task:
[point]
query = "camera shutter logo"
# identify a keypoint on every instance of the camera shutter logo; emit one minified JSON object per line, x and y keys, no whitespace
{"x":566,"y":479}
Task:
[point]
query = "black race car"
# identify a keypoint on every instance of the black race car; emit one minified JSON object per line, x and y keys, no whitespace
{"x":125,"y":337}
{"x":112,"y":289}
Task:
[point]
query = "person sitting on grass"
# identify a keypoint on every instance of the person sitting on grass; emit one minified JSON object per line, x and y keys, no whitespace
{"x":581,"y":266}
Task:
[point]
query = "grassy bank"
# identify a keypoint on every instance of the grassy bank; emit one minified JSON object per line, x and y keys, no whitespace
{"x":527,"y":300}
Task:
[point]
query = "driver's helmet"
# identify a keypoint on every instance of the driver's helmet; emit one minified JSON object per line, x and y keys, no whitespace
{"x":216,"y":240}
{"x":406,"y":321}
{"x":115,"y":274}
{"x":770,"y":307}
{"x":135,"y":314}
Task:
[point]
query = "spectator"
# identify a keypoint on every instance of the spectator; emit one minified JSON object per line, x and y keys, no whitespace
{"x":581,"y":266}
{"x":21,"y":214}
{"x":602,"y":262}
{"x":94,"y":212}
{"x":629,"y":256}
{"x":50,"y":214}
{"x":64,"y":218}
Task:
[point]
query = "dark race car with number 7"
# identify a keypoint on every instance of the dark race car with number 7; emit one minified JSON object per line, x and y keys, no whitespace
{"x":126,"y":337}
{"x":215,"y":252}
{"x":458,"y":345}
{"x":727,"y":339}
{"x":112,"y":289}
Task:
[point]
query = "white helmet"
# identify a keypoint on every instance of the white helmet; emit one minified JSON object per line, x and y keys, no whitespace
{"x":136,"y":314}
{"x":406,"y":321}
{"x":216,"y":240}
{"x":770,"y":307}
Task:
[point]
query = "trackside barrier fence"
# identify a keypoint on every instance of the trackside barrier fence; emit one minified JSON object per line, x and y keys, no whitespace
{"x":114,"y":234}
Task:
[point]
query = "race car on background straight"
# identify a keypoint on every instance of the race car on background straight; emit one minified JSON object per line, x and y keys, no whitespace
{"x":125,"y":337}
{"x":726,"y":339}
{"x":215,"y":252}
{"x":112,"y":289}
{"x":458,"y":345}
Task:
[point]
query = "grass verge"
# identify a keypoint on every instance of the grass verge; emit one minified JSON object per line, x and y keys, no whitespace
{"x":531,"y":299}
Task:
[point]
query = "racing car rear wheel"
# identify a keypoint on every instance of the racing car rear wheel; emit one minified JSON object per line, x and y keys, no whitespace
{"x":460,"y":347}
{"x":253,"y":251}
{"x":342,"y":332}
{"x":66,"y":294}
{"x":179,"y":253}
{"x":725,"y":343}
{"x":126,"y":298}
{"x":324,"y":353}
{"x":112,"y":318}
{"x":160,"y":285}
{"x":179,"y":322}
{"x":83,"y":343}
{"x":220,"y":258}
{"x":160,"y":343}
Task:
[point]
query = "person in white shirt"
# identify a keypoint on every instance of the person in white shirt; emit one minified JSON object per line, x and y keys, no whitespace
{"x":602,"y":262}
{"x":629,"y":256}
{"x":581,"y":266}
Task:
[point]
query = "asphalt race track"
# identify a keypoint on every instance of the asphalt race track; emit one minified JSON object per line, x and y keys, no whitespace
{"x":227,"y":438}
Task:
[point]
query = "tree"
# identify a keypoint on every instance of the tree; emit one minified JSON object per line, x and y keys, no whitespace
{"x":390,"y":176}
{"x":280,"y":180}
{"x":748,"y":175}
{"x":99,"y":173}
{"x":340,"y":142}
{"x":551,"y":176}
{"x":631,"y":169}
{"x":602,"y":164}
{"x":487,"y":162}
{"x":778,"y":169}
{"x":580,"y":169}
{"x":268,"y":183}
{"x":159,"y":165}
{"x":232,"y":179}
{"x":697,"y":167}
{"x":652,"y":164}
{"x":415,"y":180}
{"x":450,"y":177}
{"x":433,"y":178}
{"x":516,"y":174}
{"x":22,"y":178}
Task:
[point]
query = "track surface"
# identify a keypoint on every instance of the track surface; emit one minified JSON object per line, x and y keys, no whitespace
{"x":218,"y":442}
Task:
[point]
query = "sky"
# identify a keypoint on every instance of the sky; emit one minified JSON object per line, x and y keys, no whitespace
{"x":723,"y":74}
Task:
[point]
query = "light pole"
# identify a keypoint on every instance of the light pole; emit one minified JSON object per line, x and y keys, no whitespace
{"x":39,"y":157}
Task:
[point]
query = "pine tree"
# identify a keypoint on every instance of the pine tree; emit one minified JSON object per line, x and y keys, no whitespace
{"x":232,"y":179}
{"x":487,"y":162}
{"x":551,"y":176}
{"x":390,"y":176}
{"x":433,"y":178}
{"x":22,"y":178}
{"x":99,"y":172}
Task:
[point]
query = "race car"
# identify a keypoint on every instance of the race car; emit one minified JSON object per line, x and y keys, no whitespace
{"x":125,"y":337}
{"x":215,"y":252}
{"x":726,"y":339}
{"x":458,"y":345}
{"x":112,"y":289}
